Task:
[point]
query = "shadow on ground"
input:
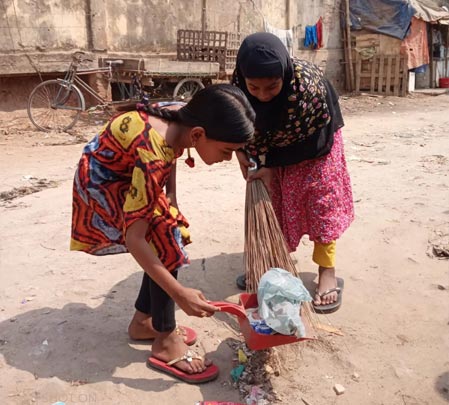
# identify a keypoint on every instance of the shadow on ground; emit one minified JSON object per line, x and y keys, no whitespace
{"x":94,"y":342}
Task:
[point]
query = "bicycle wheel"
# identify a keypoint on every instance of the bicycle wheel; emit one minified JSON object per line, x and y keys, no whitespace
{"x":186,"y":88}
{"x":53,"y":105}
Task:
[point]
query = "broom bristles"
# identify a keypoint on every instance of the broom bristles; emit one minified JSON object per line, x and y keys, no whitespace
{"x":265,"y":245}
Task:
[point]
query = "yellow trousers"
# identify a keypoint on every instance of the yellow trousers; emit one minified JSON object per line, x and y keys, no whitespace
{"x":324,"y":254}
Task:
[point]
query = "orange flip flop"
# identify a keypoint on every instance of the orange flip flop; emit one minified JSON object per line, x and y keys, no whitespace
{"x":211,"y":372}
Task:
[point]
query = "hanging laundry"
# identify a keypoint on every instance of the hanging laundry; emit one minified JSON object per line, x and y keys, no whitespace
{"x":314,"y":35}
{"x":415,"y":45}
{"x":286,"y":36}
{"x":319,"y":31}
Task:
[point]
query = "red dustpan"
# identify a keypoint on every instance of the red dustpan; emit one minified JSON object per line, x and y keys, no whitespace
{"x":254,"y":340}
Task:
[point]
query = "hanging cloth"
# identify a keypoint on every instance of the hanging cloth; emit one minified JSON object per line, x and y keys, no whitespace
{"x":286,"y":36}
{"x":314,"y":35}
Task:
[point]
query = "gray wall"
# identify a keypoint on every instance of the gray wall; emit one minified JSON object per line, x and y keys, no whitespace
{"x":41,"y":34}
{"x":331,"y":57}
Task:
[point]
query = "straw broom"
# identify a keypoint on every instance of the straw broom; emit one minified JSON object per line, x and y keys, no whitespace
{"x":265,"y":245}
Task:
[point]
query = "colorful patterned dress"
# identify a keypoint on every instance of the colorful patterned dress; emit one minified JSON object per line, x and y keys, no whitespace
{"x":120,"y":179}
{"x":313,"y":195}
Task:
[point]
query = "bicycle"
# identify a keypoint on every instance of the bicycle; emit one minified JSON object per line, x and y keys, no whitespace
{"x":57,"y":104}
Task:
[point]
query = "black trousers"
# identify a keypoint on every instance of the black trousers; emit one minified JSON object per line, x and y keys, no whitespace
{"x":154,"y":301}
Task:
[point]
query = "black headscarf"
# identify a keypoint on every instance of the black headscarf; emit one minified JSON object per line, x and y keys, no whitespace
{"x":299,"y":123}
{"x":264,"y":55}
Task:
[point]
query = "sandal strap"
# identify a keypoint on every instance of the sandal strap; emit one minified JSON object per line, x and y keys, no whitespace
{"x":331,"y":290}
{"x":188,"y":356}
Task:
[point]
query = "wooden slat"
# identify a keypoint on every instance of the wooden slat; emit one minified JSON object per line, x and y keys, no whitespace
{"x":358,"y":71}
{"x":373,"y":75}
{"x":388,"y":82}
{"x":404,"y":77}
{"x":381,"y":75}
{"x":397,"y":79}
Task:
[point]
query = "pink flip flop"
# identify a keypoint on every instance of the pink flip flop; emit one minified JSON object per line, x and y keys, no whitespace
{"x":211,"y":372}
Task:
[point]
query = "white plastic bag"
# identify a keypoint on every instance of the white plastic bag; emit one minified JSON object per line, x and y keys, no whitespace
{"x":280,"y":295}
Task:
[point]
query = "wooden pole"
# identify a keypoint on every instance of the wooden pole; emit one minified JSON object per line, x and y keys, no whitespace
{"x":350,"y":86}
{"x":446,"y":46}
{"x":431,"y":57}
{"x":287,"y":15}
{"x":203,"y":21}
{"x":345,"y":48}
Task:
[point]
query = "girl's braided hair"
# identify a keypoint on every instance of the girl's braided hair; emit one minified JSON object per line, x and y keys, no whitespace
{"x":221,"y":109}
{"x":160,"y":112}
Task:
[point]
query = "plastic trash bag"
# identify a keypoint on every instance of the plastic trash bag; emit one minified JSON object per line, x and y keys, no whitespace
{"x":279,"y":296}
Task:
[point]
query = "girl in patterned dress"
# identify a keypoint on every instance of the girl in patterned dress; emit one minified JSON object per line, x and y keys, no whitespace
{"x":119,"y":205}
{"x":299,"y":148}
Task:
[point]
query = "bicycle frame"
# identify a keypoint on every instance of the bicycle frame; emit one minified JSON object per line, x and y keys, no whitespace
{"x":71,"y":79}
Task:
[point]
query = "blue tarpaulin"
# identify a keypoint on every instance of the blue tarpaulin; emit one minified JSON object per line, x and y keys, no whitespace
{"x":389,"y":17}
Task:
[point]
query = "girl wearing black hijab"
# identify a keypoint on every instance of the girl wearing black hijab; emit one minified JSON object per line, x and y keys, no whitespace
{"x":299,"y":150}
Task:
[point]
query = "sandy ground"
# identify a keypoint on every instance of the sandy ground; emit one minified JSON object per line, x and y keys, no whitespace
{"x":63,"y":315}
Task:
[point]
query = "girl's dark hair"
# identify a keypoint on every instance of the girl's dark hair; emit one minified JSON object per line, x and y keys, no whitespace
{"x":221,"y":109}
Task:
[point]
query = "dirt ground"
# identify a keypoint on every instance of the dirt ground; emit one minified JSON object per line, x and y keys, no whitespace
{"x":63,"y":315}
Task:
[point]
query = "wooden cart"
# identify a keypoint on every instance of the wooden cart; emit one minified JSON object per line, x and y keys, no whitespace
{"x":162,"y":78}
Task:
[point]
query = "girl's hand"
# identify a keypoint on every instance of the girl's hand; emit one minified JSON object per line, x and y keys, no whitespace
{"x":194,"y":303}
{"x":244,"y":162}
{"x":265,"y":174}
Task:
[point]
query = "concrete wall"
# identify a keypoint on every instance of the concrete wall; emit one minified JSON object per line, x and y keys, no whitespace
{"x":331,"y":57}
{"x":42,"y":25}
{"x":40,"y":35}
{"x":149,"y":25}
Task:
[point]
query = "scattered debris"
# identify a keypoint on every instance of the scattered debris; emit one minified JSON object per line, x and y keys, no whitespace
{"x":36,"y":186}
{"x":257,"y":396}
{"x":269,"y":369}
{"x":403,"y":339}
{"x":355,"y":376}
{"x":77,"y":383}
{"x":434,"y":163}
{"x":27,"y":299}
{"x":237,"y":372}
{"x":259,"y":368}
{"x":371,"y":161}
{"x":45,"y":247}
{"x":217,"y":403}
{"x":439,"y":242}
{"x":339,"y":389}
{"x":329,"y":328}
{"x":242,"y":357}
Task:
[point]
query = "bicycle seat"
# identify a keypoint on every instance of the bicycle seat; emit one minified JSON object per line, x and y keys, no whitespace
{"x":116,"y":62}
